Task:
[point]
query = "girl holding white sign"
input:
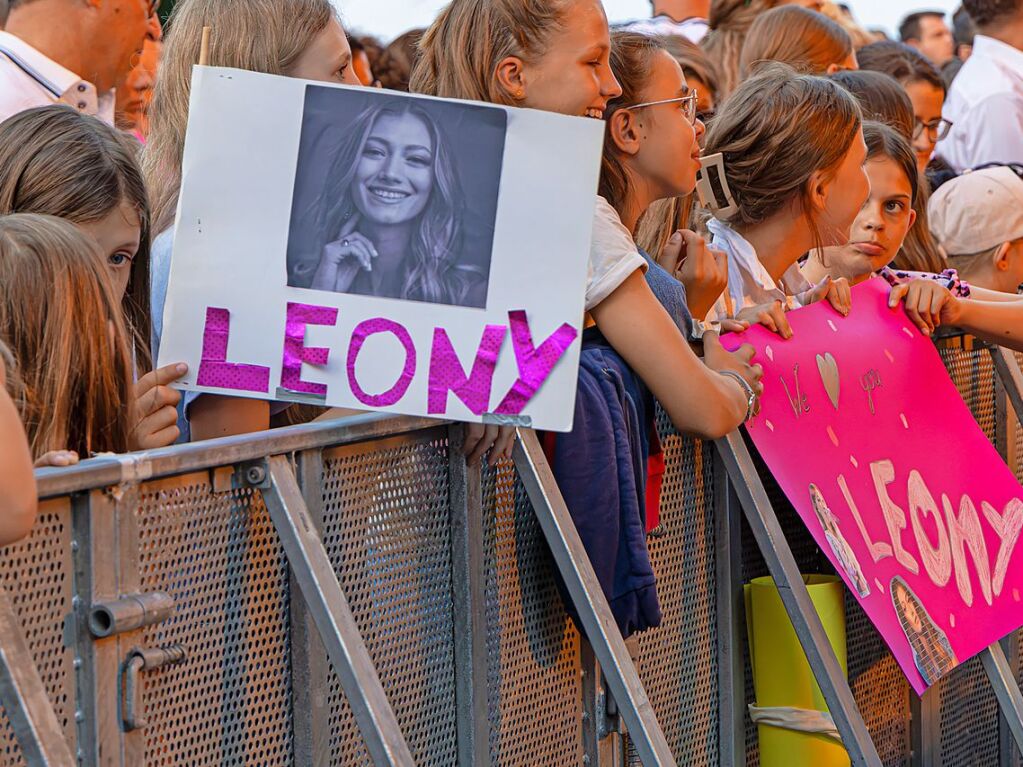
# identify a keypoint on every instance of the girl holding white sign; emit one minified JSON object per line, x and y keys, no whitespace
{"x":295,"y":38}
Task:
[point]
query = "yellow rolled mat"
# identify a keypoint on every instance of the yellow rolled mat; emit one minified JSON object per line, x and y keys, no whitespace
{"x":782,"y":675}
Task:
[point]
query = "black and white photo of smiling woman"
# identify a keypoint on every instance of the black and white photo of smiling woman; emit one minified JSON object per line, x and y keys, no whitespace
{"x":398,"y":214}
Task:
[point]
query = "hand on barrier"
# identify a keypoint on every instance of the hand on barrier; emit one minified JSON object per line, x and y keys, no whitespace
{"x":57,"y":458}
{"x":480,"y":438}
{"x":155,"y":411}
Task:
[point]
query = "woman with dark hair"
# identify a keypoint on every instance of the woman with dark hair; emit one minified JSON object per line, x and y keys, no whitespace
{"x":392,"y":214}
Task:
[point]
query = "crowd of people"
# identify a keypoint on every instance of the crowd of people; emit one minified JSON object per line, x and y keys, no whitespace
{"x":842,"y":156}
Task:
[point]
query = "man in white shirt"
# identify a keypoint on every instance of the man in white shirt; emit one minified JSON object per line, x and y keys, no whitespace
{"x":985,"y":103}
{"x":687,"y":18}
{"x":74,"y":52}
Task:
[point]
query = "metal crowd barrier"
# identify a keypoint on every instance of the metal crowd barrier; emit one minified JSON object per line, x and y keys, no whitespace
{"x":152,"y":618}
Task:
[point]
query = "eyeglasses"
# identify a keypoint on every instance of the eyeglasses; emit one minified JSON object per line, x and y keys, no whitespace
{"x":154,"y":6}
{"x":936,"y":129}
{"x":687,"y":104}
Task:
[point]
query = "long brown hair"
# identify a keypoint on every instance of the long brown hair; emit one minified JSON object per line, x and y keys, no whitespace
{"x":884,"y":141}
{"x":775,"y":131}
{"x":730,"y":21}
{"x":459,"y":54}
{"x":919,"y":252}
{"x":258,"y":35}
{"x":632,"y":61}
{"x":804,"y":39}
{"x":58,"y":162}
{"x":66,"y":331}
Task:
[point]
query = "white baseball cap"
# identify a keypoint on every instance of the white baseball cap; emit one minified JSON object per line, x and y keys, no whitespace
{"x":978,"y":211}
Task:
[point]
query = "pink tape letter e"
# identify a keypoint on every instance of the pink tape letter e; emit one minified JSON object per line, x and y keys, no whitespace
{"x":535,"y":363}
{"x":295,"y":350}
{"x":214,"y":369}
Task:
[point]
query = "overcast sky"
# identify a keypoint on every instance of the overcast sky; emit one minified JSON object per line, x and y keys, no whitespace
{"x":389,"y":18}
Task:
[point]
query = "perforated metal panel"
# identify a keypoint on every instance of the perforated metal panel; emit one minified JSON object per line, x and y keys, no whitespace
{"x":387,"y":531}
{"x":532,"y":646}
{"x":972,"y":371}
{"x":36,"y":572}
{"x":677,"y":662}
{"x":879,"y":686}
{"x":218,"y":555}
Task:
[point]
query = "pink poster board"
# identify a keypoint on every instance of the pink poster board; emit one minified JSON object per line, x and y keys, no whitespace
{"x":871,"y":442}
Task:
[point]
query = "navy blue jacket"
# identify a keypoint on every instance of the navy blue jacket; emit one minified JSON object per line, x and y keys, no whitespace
{"x":601,"y":467}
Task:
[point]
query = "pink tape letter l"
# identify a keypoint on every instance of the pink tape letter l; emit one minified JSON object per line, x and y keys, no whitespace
{"x":214,"y":369}
{"x":535,"y":363}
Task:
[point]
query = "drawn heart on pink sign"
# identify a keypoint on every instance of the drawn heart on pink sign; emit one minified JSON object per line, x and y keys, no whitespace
{"x":828,"y":369}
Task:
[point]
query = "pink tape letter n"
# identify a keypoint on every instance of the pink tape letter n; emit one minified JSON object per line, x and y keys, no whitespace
{"x":214,"y":369}
{"x":535,"y":363}
{"x":295,"y":350}
{"x":447,"y":373}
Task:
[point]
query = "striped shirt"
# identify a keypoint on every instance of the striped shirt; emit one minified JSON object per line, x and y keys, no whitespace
{"x":29,"y":79}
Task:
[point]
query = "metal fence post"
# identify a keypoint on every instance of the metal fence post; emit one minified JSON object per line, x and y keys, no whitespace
{"x":731,"y":637}
{"x":310,"y":670}
{"x":97,"y":661}
{"x":594,"y":612}
{"x":925,"y":728}
{"x":601,"y":747}
{"x":330,"y":611}
{"x":792,"y":590}
{"x":469,"y":605}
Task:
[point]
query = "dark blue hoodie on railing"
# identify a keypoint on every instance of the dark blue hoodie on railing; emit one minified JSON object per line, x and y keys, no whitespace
{"x":601,"y":467}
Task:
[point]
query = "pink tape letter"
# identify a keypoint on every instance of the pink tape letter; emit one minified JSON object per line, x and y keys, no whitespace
{"x":447,"y":373}
{"x":295,"y":350}
{"x":215,"y":370}
{"x":535,"y":363}
{"x":363,"y":331}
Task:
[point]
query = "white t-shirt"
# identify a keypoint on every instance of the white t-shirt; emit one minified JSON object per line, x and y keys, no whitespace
{"x":749,"y":282}
{"x":613,"y":254}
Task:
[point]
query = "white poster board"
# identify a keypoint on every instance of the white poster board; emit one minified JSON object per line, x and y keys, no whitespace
{"x":366,"y":249}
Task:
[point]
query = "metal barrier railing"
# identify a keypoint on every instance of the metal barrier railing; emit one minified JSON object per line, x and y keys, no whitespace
{"x":454,"y":647}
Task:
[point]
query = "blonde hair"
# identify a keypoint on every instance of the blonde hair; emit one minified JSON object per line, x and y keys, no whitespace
{"x":67,"y":334}
{"x":258,"y":35}
{"x":730,"y":20}
{"x":857,"y":34}
{"x":459,"y":54}
{"x":775,"y":132}
{"x":801,"y":38}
